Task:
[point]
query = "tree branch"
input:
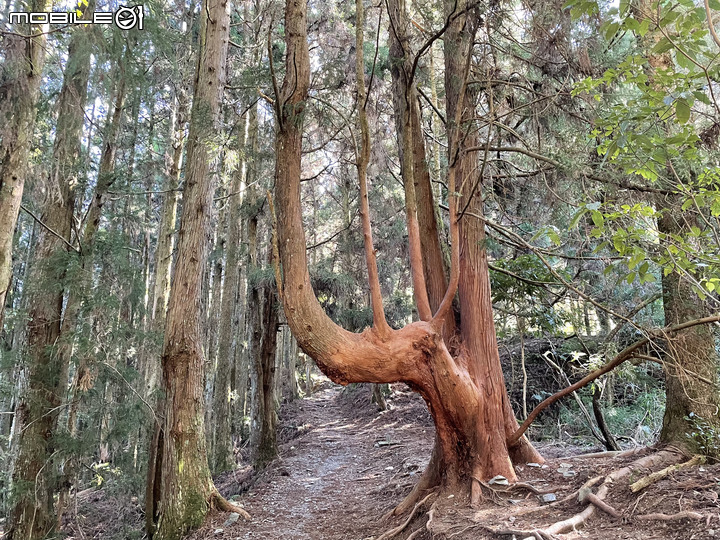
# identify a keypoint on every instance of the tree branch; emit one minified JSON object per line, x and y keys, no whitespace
{"x":625,"y":355}
{"x":48,"y":229}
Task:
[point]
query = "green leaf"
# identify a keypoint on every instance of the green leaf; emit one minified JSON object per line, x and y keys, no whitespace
{"x":684,"y":62}
{"x":682,"y":111}
{"x":663,"y":45}
{"x":576,"y":218}
{"x":702,"y":96}
{"x":554,"y":237}
{"x":610,"y":30}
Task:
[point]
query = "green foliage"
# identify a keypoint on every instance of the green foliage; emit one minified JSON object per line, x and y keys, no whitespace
{"x":705,"y":434}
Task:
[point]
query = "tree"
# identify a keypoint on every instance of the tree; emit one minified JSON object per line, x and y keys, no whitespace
{"x":471,"y":430}
{"x":34,"y":483}
{"x":24,"y":57}
{"x":180,"y":490}
{"x":661,"y":148}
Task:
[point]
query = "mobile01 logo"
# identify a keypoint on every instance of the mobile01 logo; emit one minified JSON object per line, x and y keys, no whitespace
{"x":125,"y":17}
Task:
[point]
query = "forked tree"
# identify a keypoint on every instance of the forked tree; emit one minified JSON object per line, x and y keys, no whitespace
{"x":457,"y":374}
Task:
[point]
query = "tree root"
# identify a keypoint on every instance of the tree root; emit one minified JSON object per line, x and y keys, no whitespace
{"x":221,"y":503}
{"x":590,"y":483}
{"x":400,"y":528}
{"x":597,"y":500}
{"x":423,"y":485}
{"x":587,"y":495}
{"x":611,"y":453}
{"x":659,"y":475}
{"x":537,"y":534}
{"x":686,"y":514}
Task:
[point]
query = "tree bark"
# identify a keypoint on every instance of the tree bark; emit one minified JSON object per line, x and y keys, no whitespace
{"x":471,"y":430}
{"x":264,"y":416}
{"x":692,"y":407}
{"x":33,"y":479}
{"x":181,"y":489}
{"x":19,"y":89}
{"x":223,"y":459}
{"x":415,"y":172}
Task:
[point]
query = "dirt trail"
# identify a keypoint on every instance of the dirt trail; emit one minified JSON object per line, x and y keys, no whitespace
{"x":341,"y":466}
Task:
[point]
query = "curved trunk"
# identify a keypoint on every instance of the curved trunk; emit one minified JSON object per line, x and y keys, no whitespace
{"x":471,"y":428}
{"x":180,"y":489}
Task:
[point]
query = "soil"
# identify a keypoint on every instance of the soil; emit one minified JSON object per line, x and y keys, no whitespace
{"x":343,"y":465}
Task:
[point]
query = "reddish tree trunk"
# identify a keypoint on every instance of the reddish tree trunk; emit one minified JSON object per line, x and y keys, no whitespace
{"x":466,"y":399}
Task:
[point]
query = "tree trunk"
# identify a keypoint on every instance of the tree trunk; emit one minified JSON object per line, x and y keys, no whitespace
{"x":33,"y":478}
{"x":83,"y":283}
{"x":264,"y":414}
{"x":223,"y":459}
{"x":692,"y":407}
{"x":415,"y":171}
{"x":692,"y":417}
{"x":180,"y":488}
{"x":19,"y":90}
{"x":471,"y":429}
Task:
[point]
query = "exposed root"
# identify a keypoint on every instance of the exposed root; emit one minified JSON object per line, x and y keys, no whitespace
{"x":589,"y":496}
{"x":611,"y":453}
{"x":431,"y":516}
{"x":422,"y":486}
{"x":538,"y":534}
{"x":590,"y":483}
{"x":659,"y":475}
{"x":686,"y":514}
{"x":597,"y":500}
{"x":400,"y":528}
{"x":221,"y":503}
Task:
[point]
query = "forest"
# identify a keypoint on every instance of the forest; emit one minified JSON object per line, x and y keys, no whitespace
{"x":408,"y":269}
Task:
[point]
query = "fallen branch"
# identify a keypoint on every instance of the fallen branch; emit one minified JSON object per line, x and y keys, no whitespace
{"x":686,"y":514}
{"x":400,"y":528}
{"x":586,"y":495}
{"x":580,"y":518}
{"x":659,"y":475}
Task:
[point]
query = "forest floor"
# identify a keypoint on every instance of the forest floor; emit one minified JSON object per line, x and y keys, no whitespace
{"x":343,"y":465}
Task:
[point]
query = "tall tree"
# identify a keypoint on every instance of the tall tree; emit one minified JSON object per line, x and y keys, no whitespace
{"x":180,"y":489}
{"x":34,"y":485}
{"x":20,"y":76}
{"x":463,"y":394}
